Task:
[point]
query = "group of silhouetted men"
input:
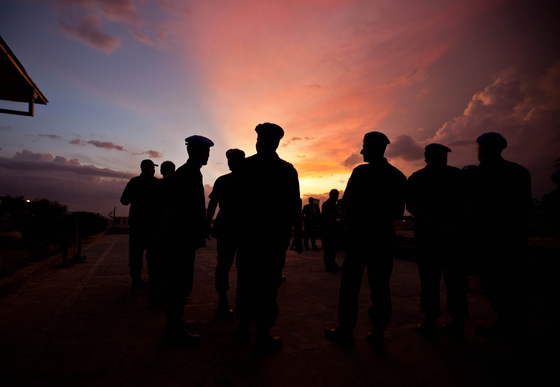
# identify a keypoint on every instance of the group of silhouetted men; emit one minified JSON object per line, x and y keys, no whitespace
{"x":458,"y":216}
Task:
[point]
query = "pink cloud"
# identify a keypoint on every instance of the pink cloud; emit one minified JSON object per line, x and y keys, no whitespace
{"x":30,"y":156}
{"x":114,"y":10}
{"x":51,"y":136}
{"x":87,"y":31}
{"x":83,"y":20}
{"x":330,"y":71}
{"x":77,"y":141}
{"x":106,"y":145}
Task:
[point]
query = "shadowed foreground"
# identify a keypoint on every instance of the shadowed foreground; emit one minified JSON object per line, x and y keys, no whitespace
{"x":83,"y":326}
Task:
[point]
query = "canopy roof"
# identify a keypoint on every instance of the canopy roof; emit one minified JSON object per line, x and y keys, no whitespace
{"x":15,"y":84}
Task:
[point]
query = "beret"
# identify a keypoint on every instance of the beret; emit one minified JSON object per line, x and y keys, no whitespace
{"x":199,"y":141}
{"x":492,"y":139}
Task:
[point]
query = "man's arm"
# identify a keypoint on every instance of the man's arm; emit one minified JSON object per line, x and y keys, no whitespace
{"x":297,"y":245}
{"x":127,"y":194}
{"x":209,"y":215}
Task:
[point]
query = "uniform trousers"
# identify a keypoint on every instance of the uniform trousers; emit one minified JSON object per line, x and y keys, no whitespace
{"x":377,"y":259}
{"x":178,"y":280}
{"x":432,"y":261}
{"x":330,"y":247}
{"x":226,"y":247}
{"x":259,"y":273}
{"x":140,"y":239}
{"x":502,"y":270}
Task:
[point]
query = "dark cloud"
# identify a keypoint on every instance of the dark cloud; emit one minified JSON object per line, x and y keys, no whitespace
{"x":33,"y":162}
{"x":52,"y":136}
{"x":65,"y":161}
{"x":76,"y":141}
{"x":406,"y":148}
{"x":81,"y":187}
{"x":152,"y":153}
{"x":352,"y":160}
{"x":5,"y":127}
{"x":106,"y":145}
{"x":525,"y":110}
{"x":87,"y":31}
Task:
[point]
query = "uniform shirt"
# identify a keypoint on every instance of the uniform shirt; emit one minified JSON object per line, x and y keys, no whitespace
{"x":185,"y":214}
{"x":224,"y":193}
{"x":141,"y":194}
{"x":269,"y":199}
{"x":502,"y":201}
{"x":374,"y":199}
{"x":436,"y":197}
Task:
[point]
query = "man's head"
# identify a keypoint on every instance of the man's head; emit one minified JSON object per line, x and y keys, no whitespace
{"x":333,"y":195}
{"x":167,"y":168}
{"x":436,"y":154}
{"x":148,"y":167}
{"x":311,"y":200}
{"x":233,"y":157}
{"x":374,"y":146}
{"x":490,"y":146}
{"x":198,"y":148}
{"x":268,"y":137}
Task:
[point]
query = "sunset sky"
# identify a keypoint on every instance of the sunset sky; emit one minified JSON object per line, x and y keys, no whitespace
{"x":130,"y":79}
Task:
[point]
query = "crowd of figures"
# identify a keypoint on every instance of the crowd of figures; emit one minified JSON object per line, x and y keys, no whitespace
{"x":460,"y":215}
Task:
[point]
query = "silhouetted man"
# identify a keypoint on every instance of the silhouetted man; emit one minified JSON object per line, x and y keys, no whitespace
{"x":437,"y":200}
{"x":373,"y":200}
{"x":226,"y":228}
{"x":183,"y":231}
{"x":502,"y":207}
{"x":270,"y":203}
{"x":141,"y":194}
{"x":311,"y":217}
{"x":167,"y":168}
{"x":331,"y":230}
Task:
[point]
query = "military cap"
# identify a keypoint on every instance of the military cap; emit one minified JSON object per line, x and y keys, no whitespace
{"x":268,"y":130}
{"x":199,"y":141}
{"x":235,"y":153}
{"x":147,"y":164}
{"x":436,"y":149}
{"x":377,"y":137}
{"x":493,"y":140}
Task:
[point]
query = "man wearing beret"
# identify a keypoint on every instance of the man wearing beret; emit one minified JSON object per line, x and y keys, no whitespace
{"x":141,"y":194}
{"x":270,"y":204}
{"x":183,"y":231}
{"x":502,"y":207}
{"x":436,"y":198}
{"x":373,"y":200}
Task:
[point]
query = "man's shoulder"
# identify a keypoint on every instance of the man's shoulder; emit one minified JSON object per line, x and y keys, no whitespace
{"x":395,"y":171}
{"x":223,"y":181}
{"x":374,"y":169}
{"x":257,"y":161}
{"x":518,"y":168}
